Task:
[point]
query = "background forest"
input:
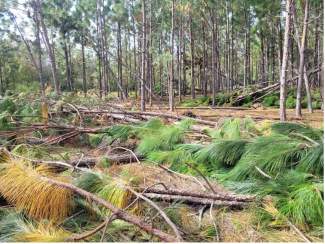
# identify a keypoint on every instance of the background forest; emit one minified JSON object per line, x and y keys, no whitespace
{"x":176,"y":48}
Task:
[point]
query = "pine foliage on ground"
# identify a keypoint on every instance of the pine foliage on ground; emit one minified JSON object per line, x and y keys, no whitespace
{"x":262,"y":161}
{"x":281,"y":160}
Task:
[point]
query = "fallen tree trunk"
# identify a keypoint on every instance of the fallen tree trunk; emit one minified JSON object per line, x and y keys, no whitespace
{"x":119,"y":213}
{"x":194,"y":200}
{"x":116,"y":158}
{"x":91,"y":162}
{"x":119,"y":115}
{"x":218,"y":196}
{"x":268,"y":88}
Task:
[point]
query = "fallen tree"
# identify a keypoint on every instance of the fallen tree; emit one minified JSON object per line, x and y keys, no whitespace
{"x":262,"y":91}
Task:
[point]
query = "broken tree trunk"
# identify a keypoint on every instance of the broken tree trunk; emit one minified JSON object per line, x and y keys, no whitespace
{"x":194,"y":200}
{"x":263,"y":90}
{"x":123,"y":115}
{"x":211,"y":196}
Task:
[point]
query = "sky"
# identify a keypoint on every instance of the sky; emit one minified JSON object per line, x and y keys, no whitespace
{"x":18,"y":9}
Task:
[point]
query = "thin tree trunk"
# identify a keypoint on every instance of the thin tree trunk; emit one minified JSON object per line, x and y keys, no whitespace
{"x":204,"y":75}
{"x":40,"y":66}
{"x":302,"y":68}
{"x":192,"y":59}
{"x":301,"y":61}
{"x":227,"y":52}
{"x":213,"y":63}
{"x":180,"y":44}
{"x":70,"y":63}
{"x":280,"y":48}
{"x":50,"y":50}
{"x":149,"y":57}
{"x":84,"y":79}
{"x":246,"y":49}
{"x":119,"y":59}
{"x":184,"y":63}
{"x":171,"y":83}
{"x":283,"y":115}
{"x":143,"y":59}
{"x":99,"y":48}
{"x":66,"y":58}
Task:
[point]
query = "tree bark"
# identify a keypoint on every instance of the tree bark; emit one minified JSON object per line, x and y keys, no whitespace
{"x":302,"y":63}
{"x":171,"y":83}
{"x":84,"y":78}
{"x":119,"y":59}
{"x":192,"y":59}
{"x":40,"y":66}
{"x":204,"y":75}
{"x":283,"y":115}
{"x":180,"y":44}
{"x":143,"y":59}
{"x":50,"y":50}
{"x":119,"y":213}
{"x":213,"y":63}
{"x":67,"y":67}
{"x":302,"y":67}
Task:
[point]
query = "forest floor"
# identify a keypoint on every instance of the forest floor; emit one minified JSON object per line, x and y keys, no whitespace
{"x":315,"y":119}
{"x":196,"y":222}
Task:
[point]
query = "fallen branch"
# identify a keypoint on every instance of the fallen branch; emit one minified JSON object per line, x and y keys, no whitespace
{"x":126,"y":149}
{"x":215,"y":196}
{"x":78,"y":237}
{"x":119,"y":213}
{"x":162,"y":213}
{"x":202,"y":175}
{"x":194,"y":200}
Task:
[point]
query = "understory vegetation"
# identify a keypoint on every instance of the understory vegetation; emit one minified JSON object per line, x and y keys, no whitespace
{"x":284,"y":161}
{"x":270,"y":100}
{"x":280,"y":164}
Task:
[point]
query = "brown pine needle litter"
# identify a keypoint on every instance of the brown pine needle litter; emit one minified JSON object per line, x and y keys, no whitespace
{"x":21,"y":186}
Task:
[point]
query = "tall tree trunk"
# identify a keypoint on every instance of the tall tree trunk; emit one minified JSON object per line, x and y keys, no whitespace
{"x":70,"y":63}
{"x":280,"y":48}
{"x":283,"y":115}
{"x":49,"y":49}
{"x":66,"y":58}
{"x":143,"y":59}
{"x":204,"y":76}
{"x":246,"y":49}
{"x":179,"y":48}
{"x":302,"y":68}
{"x":317,"y":50}
{"x":227,"y":51}
{"x":149,"y":56}
{"x":192,"y":59}
{"x":84,"y":78}
{"x":262,"y":56}
{"x":184,"y":63}
{"x":105,"y":54}
{"x":302,"y":63}
{"x":119,"y":59}
{"x":99,"y":48}
{"x":171,"y":83}
{"x":135,"y":68}
{"x":213,"y":63}
{"x":39,"y":47}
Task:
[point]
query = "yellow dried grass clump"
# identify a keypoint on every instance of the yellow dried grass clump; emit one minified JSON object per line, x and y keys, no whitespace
{"x":42,"y":233}
{"x":22,"y":186}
